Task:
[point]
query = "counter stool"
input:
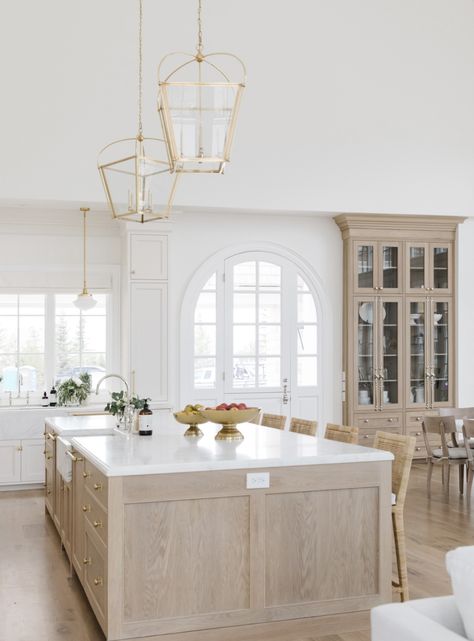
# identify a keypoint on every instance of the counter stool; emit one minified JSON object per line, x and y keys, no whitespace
{"x":342,"y":433}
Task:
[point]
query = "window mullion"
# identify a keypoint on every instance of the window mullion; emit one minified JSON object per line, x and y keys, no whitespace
{"x":49,"y":340}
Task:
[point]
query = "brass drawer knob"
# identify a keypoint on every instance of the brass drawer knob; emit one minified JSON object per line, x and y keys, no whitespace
{"x":97,"y":523}
{"x":98,"y":581}
{"x":417,"y":449}
{"x":85,"y":475}
{"x":48,"y":458}
{"x":86,"y":508}
{"x":418,"y":433}
{"x":366,"y":436}
{"x":48,"y":491}
{"x":418,"y":418}
{"x":390,"y":420}
{"x":97,"y":486}
{"x":86,"y":561}
{"x":366,"y":420}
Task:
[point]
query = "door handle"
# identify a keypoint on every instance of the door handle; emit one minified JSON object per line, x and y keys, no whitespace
{"x":285,"y":398}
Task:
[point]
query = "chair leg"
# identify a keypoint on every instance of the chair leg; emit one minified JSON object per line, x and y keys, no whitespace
{"x":446,"y":475}
{"x":461,"y":479}
{"x":400,"y":552}
{"x":429,"y":472}
{"x":470,"y":477}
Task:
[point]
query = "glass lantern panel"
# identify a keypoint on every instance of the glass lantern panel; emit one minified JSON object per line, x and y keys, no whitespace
{"x":201,"y":118}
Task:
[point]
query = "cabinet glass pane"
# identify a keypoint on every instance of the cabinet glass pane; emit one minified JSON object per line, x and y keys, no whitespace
{"x":440,"y":352}
{"x":365,"y":266}
{"x":417,"y":267}
{"x":390,"y":352}
{"x":440,"y":267}
{"x":417,"y":352}
{"x":390,"y":267}
{"x":365,"y":356}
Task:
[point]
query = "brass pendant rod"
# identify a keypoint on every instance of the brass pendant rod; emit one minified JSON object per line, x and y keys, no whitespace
{"x":140,"y":70}
{"x":84,"y":211}
{"x":199,"y":22}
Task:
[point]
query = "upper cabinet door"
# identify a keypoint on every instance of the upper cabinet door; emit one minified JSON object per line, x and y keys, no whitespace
{"x":441,"y":272}
{"x":442,"y":349}
{"x":148,"y":257}
{"x":377,"y":267}
{"x":366,"y":391}
{"x":417,"y":267}
{"x":365,"y":268}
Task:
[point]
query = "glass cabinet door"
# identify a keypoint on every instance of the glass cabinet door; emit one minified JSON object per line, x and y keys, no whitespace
{"x":417,"y":256}
{"x":365,"y":266}
{"x":365,"y":353}
{"x":440,"y":256}
{"x":417,"y":353}
{"x":390,"y":357}
{"x":441,"y":353}
{"x":390,"y":255}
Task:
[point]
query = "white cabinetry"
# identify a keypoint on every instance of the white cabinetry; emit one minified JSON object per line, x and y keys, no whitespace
{"x":10,"y":462}
{"x":32,"y":461}
{"x":145,"y":312}
{"x":21,"y":461}
{"x":148,"y":257}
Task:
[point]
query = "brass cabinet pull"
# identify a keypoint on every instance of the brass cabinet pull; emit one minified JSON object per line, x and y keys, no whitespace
{"x":86,"y":508}
{"x":97,"y":523}
{"x":99,"y":581}
{"x":86,"y":561}
{"x":51,"y":436}
{"x":49,"y":457}
{"x":97,"y":486}
{"x":74,"y":458}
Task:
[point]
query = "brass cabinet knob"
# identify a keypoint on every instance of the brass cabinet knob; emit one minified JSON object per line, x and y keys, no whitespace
{"x":418,"y":433}
{"x":86,"y":508}
{"x":48,"y":491}
{"x":97,"y":523}
{"x":98,"y":581}
{"x":49,"y":457}
{"x":366,"y":436}
{"x":85,"y":475}
{"x":418,"y":418}
{"x":97,"y":486}
{"x":366,"y":420}
{"x":390,"y":420}
{"x":86,"y":561}
{"x":417,"y":449}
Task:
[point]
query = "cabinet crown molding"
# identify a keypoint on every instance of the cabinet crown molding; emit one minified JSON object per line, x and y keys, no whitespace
{"x":349,"y":224}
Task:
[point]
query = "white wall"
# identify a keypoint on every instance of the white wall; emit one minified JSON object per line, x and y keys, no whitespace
{"x":352,"y":105}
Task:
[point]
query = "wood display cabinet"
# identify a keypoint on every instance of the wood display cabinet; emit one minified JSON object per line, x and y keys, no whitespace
{"x":399,"y":325}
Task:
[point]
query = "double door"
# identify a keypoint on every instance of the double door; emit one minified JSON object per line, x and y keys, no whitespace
{"x":378,"y":353}
{"x":430,"y":350}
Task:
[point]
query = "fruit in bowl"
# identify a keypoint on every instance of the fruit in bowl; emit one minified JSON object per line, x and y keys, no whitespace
{"x":229,"y":416}
{"x":191,"y":415}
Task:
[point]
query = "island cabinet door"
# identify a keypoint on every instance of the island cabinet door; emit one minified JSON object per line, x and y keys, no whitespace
{"x":10,"y":462}
{"x":79,"y":507}
{"x":49,"y":472}
{"x":95,"y":575}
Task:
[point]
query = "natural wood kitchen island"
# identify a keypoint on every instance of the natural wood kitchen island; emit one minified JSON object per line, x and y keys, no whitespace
{"x":169,"y":536}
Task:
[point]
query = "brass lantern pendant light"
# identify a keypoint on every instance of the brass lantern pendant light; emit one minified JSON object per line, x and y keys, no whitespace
{"x":85,"y":300}
{"x":198,"y":103}
{"x":140,"y":185}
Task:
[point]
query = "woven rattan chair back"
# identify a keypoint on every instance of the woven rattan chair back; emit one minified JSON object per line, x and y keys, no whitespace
{"x":303,"y":426}
{"x":342,"y":433}
{"x":273,"y":420}
{"x":402,"y":447}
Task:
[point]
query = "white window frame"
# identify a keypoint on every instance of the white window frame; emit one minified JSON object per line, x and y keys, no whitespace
{"x":216,"y":263}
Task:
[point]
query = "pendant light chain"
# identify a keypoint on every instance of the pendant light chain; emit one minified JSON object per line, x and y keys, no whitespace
{"x":199,"y":21}
{"x":140,"y":70}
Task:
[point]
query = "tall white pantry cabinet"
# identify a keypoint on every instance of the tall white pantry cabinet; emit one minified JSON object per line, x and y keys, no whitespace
{"x":145,"y":311}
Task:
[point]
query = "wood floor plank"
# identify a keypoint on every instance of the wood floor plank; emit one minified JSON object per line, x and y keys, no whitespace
{"x":39,"y":602}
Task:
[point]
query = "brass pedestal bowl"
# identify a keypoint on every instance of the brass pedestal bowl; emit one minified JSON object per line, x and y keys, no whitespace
{"x":229,"y":419}
{"x":193,"y":420}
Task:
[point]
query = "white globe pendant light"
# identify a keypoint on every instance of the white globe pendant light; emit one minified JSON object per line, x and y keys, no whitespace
{"x":85,"y":300}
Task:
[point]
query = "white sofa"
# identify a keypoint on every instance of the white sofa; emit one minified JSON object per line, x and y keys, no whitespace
{"x":447,"y":618}
{"x":436,"y":619}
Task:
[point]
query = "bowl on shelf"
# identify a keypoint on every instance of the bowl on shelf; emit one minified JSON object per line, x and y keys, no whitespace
{"x":437,"y":318}
{"x":414,"y":318}
{"x":193,"y":419}
{"x":229,"y":419}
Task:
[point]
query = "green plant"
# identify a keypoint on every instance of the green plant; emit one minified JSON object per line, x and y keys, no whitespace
{"x":74,"y":390}
{"x":119,"y":401}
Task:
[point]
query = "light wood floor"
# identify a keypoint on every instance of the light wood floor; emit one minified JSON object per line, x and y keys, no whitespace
{"x":38,"y":602}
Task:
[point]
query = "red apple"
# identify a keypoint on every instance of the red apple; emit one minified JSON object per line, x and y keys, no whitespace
{"x":222,"y":406}
{"x":242,"y":406}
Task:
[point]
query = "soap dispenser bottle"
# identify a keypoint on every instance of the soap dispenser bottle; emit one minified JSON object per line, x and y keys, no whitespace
{"x":144,"y":421}
{"x":45,"y":400}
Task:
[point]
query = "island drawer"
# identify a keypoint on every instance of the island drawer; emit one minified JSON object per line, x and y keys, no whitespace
{"x":415,"y":419}
{"x":378,"y":421}
{"x":367,"y":436}
{"x":96,"y":516}
{"x":95,"y":575}
{"x":96,"y":483}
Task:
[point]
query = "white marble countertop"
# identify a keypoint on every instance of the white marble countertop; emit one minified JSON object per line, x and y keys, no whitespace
{"x":69,"y":426}
{"x":168,"y":451}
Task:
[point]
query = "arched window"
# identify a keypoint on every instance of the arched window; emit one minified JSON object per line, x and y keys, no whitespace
{"x":253,"y":336}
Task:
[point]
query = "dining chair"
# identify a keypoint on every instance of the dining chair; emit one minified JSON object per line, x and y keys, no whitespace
{"x":468,"y":436}
{"x":447,"y":454}
{"x":402,"y":447}
{"x":273,"y":420}
{"x":303,"y":426}
{"x":342,"y":433}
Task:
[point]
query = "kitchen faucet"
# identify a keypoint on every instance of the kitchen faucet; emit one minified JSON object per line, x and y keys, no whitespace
{"x":114,"y":376}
